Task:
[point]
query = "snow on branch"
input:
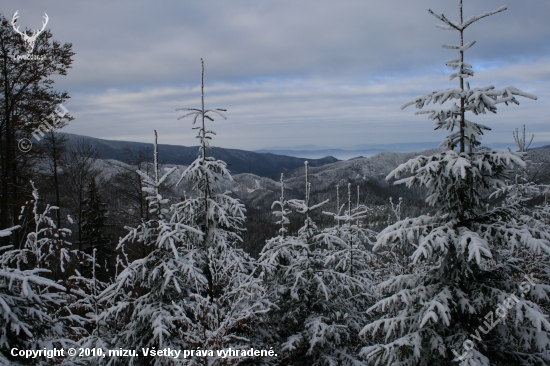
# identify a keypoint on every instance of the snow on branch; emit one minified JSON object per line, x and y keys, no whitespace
{"x":450,"y":25}
{"x":473,"y":18}
{"x":458,"y":47}
{"x":303,"y":208}
{"x":477,"y":99}
{"x":8,"y":231}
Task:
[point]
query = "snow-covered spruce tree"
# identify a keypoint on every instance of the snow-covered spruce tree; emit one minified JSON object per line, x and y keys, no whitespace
{"x":194,"y":290}
{"x":320,"y":287}
{"x":451,"y":310}
{"x":142,"y":308}
{"x":397,"y":260}
{"x":33,"y":313}
{"x":284,"y":212}
{"x":152,"y":186}
{"x":523,"y":193}
{"x":94,"y":235}
{"x":98,"y":334}
{"x":224,"y":309}
{"x":351,"y":236}
{"x":46,"y":245}
{"x":521,"y":141}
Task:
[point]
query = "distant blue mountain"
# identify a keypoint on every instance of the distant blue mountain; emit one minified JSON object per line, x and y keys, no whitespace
{"x":298,"y":147}
{"x":238,"y":161}
{"x":269,"y":162}
{"x":367,"y":150}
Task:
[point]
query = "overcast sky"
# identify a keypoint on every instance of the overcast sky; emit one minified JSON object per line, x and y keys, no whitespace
{"x":289,"y":72}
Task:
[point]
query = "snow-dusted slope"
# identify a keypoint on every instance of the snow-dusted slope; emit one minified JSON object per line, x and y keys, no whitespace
{"x":254,"y":190}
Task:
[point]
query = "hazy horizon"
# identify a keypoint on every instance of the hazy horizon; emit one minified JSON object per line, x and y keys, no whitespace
{"x":311,"y":151}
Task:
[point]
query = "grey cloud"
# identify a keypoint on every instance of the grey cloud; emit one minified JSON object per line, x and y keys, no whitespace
{"x":333,"y":72}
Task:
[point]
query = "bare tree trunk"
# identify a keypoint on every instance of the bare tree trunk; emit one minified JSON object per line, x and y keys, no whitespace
{"x":79,"y":171}
{"x":56,"y":183}
{"x":80,"y":199}
{"x":54,"y":151}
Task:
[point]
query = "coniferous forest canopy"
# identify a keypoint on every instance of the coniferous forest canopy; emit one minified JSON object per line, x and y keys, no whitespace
{"x":433,"y":258}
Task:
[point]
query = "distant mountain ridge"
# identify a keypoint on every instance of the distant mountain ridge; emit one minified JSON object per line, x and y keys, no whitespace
{"x":367,"y":150}
{"x":393,"y":147}
{"x":362,"y":150}
{"x":256,"y":175}
{"x":239,"y":161}
{"x":261,"y":191}
{"x":368,"y":172}
{"x":271,"y":165}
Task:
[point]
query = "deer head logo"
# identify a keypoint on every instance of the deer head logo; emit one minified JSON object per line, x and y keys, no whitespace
{"x":29,"y":40}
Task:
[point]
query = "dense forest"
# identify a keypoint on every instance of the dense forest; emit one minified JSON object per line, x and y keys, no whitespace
{"x":437,"y":258}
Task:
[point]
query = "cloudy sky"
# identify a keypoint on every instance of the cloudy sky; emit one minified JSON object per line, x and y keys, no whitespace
{"x":289,"y":72}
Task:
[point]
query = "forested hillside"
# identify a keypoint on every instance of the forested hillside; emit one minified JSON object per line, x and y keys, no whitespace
{"x":240,"y":161}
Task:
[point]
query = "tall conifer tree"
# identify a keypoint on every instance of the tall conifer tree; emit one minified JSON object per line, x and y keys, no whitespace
{"x":320,"y":283}
{"x":94,"y":231}
{"x":449,"y":309}
{"x":194,"y":289}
